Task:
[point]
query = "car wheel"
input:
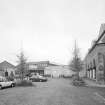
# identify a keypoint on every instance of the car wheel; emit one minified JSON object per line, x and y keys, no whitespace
{"x":12,"y":85}
{"x":0,"y":87}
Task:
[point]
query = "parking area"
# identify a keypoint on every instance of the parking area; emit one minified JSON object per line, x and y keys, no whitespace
{"x":52,"y":92}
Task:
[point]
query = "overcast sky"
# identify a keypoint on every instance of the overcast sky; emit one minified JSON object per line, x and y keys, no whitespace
{"x":47,"y":29}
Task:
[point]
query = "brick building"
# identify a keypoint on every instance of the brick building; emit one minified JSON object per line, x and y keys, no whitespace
{"x":6,"y":68}
{"x":95,"y":58}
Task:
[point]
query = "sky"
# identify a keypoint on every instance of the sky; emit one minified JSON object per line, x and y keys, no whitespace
{"x":47,"y":29}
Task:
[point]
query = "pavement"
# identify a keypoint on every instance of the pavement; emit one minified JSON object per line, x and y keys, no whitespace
{"x":93,"y":83}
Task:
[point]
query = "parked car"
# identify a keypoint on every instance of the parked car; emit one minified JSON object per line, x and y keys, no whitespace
{"x":38,"y":78}
{"x":5,"y":83}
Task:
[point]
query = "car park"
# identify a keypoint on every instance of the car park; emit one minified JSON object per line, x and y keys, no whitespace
{"x":38,"y":78}
{"x":5,"y":83}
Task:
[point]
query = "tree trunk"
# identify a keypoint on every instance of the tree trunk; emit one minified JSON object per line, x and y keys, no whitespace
{"x":78,"y":75}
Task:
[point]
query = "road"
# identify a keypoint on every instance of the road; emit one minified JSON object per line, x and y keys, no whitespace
{"x":53,"y":92}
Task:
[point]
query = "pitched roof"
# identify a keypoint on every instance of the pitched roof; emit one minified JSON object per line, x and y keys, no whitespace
{"x":6,"y":64}
{"x":101,"y":35}
{"x":40,"y":62}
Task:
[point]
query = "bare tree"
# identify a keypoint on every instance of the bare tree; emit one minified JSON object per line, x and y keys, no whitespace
{"x":22,"y":65}
{"x":76,"y":63}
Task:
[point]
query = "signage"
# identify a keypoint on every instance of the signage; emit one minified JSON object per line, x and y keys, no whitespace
{"x":32,"y":66}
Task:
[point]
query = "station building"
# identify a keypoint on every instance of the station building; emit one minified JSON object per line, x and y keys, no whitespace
{"x":46,"y":68}
{"x":37,"y":67}
{"x":34,"y":67}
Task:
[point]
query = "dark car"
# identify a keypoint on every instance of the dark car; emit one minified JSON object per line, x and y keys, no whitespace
{"x":38,"y":78}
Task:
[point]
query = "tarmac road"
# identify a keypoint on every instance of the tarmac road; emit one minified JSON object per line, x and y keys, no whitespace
{"x":53,"y":92}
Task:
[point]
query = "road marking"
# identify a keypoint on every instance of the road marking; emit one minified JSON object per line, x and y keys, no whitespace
{"x":99,"y":98}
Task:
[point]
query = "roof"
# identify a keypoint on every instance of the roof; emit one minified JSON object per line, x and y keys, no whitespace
{"x":40,"y":62}
{"x":52,"y":64}
{"x":6,"y":64}
{"x":101,"y":34}
{"x":34,"y":63}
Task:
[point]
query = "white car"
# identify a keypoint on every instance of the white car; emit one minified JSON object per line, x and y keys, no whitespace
{"x":5,"y":83}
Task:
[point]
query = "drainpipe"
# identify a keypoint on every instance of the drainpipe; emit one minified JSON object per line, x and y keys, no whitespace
{"x":104,"y":66}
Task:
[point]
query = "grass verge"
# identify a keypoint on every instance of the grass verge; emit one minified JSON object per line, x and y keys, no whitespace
{"x":24,"y":83}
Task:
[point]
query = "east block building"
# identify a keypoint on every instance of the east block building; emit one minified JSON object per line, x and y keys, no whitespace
{"x":58,"y":71}
{"x":94,"y":62}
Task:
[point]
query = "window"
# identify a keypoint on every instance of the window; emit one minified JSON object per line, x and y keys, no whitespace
{"x":94,"y":63}
{"x":91,"y":66}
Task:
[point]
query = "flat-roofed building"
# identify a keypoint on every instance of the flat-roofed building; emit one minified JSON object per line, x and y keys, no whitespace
{"x":58,"y":71}
{"x":37,"y":67}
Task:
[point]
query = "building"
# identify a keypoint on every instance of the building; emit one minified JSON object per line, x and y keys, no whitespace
{"x":46,"y":68}
{"x":37,"y":67}
{"x":34,"y":67}
{"x":58,"y":71}
{"x":6,"y":68}
{"x":94,"y":62}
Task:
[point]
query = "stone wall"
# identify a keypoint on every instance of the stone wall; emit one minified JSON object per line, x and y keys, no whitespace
{"x":93,"y":60}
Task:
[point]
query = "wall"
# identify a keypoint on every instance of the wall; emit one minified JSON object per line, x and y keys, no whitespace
{"x":94,"y":55}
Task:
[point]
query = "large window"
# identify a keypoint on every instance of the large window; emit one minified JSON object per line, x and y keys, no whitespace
{"x":94,"y":69}
{"x":32,"y":66}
